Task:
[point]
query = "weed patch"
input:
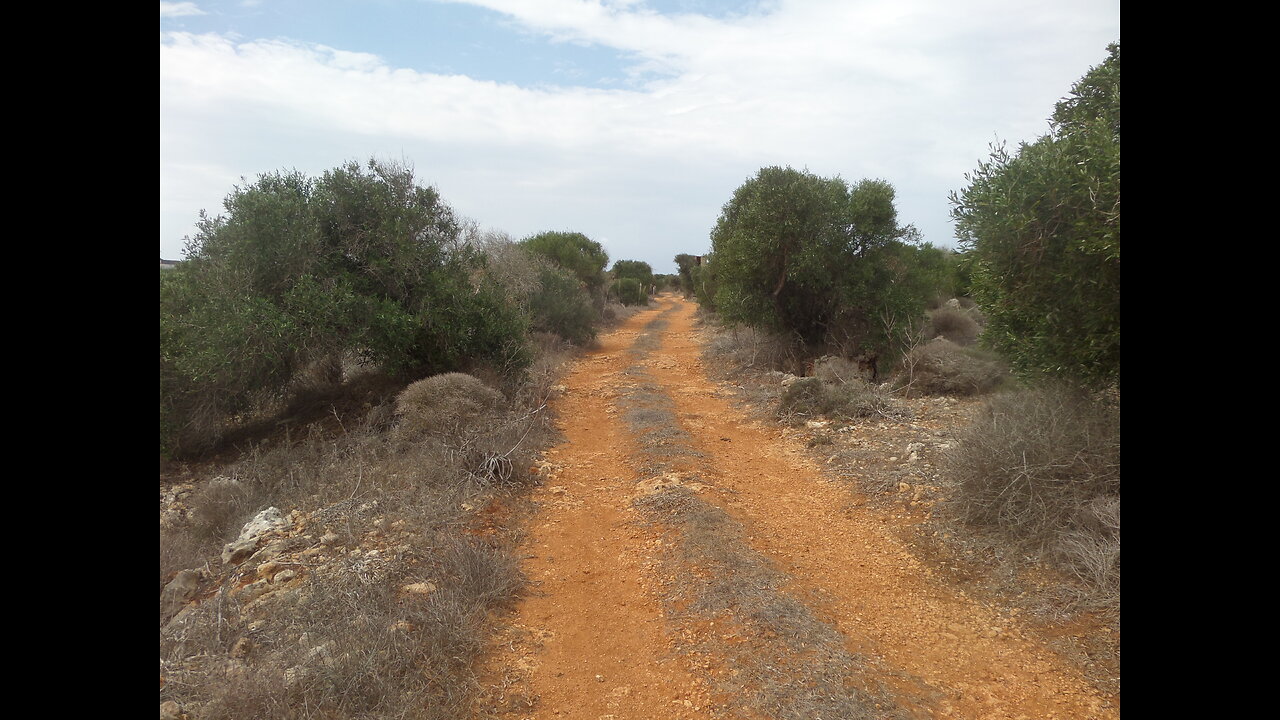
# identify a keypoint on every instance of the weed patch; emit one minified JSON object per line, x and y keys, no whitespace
{"x":786,"y":663}
{"x":942,"y":367}
{"x":1041,"y":468}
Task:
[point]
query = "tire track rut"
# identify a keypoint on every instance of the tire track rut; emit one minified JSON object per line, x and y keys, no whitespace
{"x":618,"y":624}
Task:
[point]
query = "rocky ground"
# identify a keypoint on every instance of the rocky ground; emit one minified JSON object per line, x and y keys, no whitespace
{"x":686,"y":556}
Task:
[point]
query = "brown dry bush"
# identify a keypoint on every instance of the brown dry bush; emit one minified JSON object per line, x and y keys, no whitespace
{"x":943,"y":368}
{"x":219,"y":507}
{"x":954,"y":324}
{"x":352,"y":645}
{"x":383,"y":654}
{"x":447,"y":404}
{"x":811,"y":397}
{"x":1041,"y":467}
{"x":838,"y":371}
{"x":743,"y":348}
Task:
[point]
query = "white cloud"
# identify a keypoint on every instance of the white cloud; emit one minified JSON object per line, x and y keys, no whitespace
{"x":179,"y":9}
{"x":908,"y":90}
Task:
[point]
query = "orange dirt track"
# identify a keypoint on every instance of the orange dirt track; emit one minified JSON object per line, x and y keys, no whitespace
{"x":591,"y":638}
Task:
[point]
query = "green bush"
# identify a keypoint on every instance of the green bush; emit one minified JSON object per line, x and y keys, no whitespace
{"x":361,"y":261}
{"x":825,"y":261}
{"x":636,"y":269}
{"x":631,"y":292}
{"x":580,"y":255}
{"x":561,"y":306}
{"x":1041,"y":229}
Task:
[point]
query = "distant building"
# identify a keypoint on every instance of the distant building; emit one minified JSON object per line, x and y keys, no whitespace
{"x":168,"y":264}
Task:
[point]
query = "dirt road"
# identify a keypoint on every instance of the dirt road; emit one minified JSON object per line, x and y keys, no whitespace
{"x":687,"y":561}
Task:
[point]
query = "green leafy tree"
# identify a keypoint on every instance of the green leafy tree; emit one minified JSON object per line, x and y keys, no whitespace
{"x":1041,"y":230}
{"x":631,"y":292}
{"x":817,"y":258}
{"x":575,"y":252}
{"x":685,"y":264}
{"x":552,"y":298}
{"x":298,"y":272}
{"x":635,"y":269}
{"x":706,"y":283}
{"x":561,"y":306}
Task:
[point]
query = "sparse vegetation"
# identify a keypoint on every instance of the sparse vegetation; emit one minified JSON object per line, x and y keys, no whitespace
{"x":809,"y":398}
{"x":955,"y":324}
{"x":345,"y":639}
{"x":942,"y":367}
{"x":1041,"y":467}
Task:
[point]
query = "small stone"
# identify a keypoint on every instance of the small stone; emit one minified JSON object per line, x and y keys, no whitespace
{"x":599,"y":678}
{"x":419,"y":588}
{"x":252,"y":591}
{"x":238,"y":550}
{"x":170,"y":710}
{"x":284,"y":576}
{"x":329,"y":538}
{"x":242,"y":648}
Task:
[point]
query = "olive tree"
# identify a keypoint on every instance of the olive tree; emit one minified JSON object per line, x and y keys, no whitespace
{"x":1041,"y":229}
{"x":816,"y":258}
{"x":575,"y":252}
{"x":299,"y":271}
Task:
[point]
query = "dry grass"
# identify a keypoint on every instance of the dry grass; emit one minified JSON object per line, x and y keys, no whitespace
{"x":741,"y":348}
{"x":347,"y":642}
{"x":954,"y":324}
{"x":835,"y":370}
{"x":1041,"y":468}
{"x":809,"y":398}
{"x":352,"y":645}
{"x":791,"y":664}
{"x":942,"y":367}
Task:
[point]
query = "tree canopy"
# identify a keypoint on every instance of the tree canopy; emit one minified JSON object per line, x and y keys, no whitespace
{"x":636,"y":269}
{"x":573,"y":251}
{"x":360,"y":262}
{"x":815,"y":257}
{"x":1042,"y":227}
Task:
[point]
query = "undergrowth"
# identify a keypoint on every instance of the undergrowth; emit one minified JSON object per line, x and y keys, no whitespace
{"x":381,"y":501}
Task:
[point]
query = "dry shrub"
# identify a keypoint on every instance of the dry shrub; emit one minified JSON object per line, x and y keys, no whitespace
{"x":1042,"y":468}
{"x":811,"y":397}
{"x":180,"y":550}
{"x":615,"y":313}
{"x":347,"y":646}
{"x":943,"y":368}
{"x":954,"y":324}
{"x":446,"y":404}
{"x":838,"y":371}
{"x":220,"y":507}
{"x":746,"y":348}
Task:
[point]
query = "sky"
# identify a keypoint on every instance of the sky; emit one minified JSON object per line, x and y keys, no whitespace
{"x":632,"y":121}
